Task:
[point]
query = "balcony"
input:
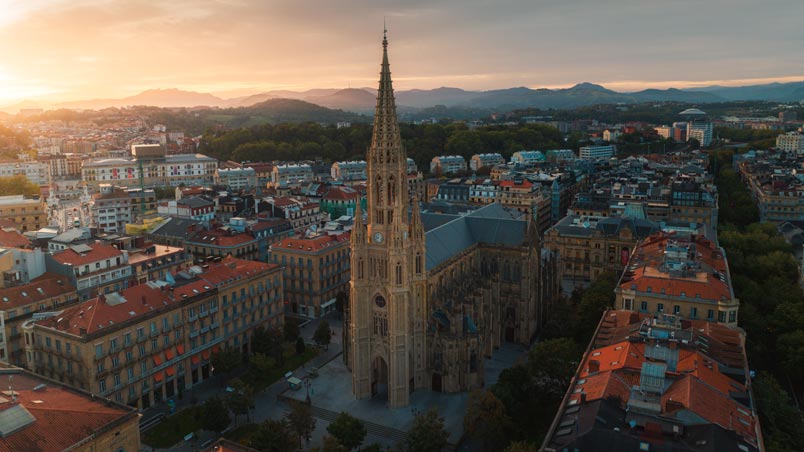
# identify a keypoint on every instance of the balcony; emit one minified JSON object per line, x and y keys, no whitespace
{"x":203,"y":314}
{"x":153,"y":334}
{"x":193,"y":334}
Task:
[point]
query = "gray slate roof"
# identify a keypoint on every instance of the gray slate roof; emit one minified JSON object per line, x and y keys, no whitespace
{"x":449,"y":235}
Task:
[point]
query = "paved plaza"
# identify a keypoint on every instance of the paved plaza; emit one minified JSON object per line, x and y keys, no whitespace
{"x":331,"y":393}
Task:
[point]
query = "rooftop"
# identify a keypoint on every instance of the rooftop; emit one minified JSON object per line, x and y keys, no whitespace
{"x":45,"y":416}
{"x":312,"y":244}
{"x":86,"y":254}
{"x":44,"y":287}
{"x":656,"y":383}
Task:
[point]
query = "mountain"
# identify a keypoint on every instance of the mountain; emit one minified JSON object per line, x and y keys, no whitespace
{"x":351,"y":99}
{"x":153,"y":97}
{"x":674,"y":95}
{"x":423,"y":98}
{"x":285,"y":110}
{"x":15,"y":108}
{"x":781,"y":92}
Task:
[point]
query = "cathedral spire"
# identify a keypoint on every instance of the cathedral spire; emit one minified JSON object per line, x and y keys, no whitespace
{"x":386,"y":130}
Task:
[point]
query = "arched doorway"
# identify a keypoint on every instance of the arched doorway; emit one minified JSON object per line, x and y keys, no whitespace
{"x":379,"y":377}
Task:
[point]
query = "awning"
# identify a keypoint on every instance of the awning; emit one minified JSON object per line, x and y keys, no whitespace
{"x":171,"y":371}
{"x":195,"y":359}
{"x":157,"y":359}
{"x":159,"y":376}
{"x":169,"y":354}
{"x":180,"y":349}
{"x":216,"y":348}
{"x":205,"y":354}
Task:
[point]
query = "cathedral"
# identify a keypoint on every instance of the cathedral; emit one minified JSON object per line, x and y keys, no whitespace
{"x":433,"y":294}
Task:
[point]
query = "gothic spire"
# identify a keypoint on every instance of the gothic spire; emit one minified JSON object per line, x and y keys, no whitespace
{"x":385,"y":138}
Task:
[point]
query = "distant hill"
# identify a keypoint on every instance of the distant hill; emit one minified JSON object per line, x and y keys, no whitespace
{"x":362,"y":100}
{"x":292,"y":110}
{"x":153,"y":97}
{"x":782,"y":92}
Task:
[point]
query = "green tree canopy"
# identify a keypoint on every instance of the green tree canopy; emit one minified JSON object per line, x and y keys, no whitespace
{"x":486,"y":421}
{"x":322,"y":335}
{"x":274,"y":436}
{"x":349,"y":430}
{"x":427,"y":434}
{"x":215,"y":415}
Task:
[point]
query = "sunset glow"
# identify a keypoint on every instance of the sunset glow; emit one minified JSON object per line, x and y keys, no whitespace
{"x":56,"y":50}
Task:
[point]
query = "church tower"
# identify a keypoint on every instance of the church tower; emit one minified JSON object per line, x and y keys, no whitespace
{"x":387,"y":307}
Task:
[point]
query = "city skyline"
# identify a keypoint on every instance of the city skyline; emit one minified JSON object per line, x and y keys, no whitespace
{"x":231,"y":48}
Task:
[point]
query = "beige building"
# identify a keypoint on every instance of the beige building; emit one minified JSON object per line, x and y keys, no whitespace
{"x":686,"y":276}
{"x":156,"y":261}
{"x":26,"y":214}
{"x":18,"y":303}
{"x":153,"y":341}
{"x":48,"y":416}
{"x":426,"y":309}
{"x":315,"y":270}
{"x":589,"y":246}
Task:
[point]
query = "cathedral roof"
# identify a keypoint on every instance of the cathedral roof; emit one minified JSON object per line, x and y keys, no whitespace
{"x":492,"y":224}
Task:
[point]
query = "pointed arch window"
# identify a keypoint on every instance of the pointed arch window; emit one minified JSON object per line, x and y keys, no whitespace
{"x":418,"y":263}
{"x":398,"y":273}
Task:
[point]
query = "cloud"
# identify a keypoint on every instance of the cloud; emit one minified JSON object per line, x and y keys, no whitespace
{"x":102,"y":48}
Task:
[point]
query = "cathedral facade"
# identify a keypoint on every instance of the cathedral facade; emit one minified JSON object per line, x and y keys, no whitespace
{"x":433,"y":294}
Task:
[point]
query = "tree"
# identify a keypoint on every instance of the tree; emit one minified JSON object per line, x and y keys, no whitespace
{"x":331,"y":444}
{"x":322,"y":335}
{"x":274,"y":436}
{"x":485,"y":419}
{"x":269,"y":342}
{"x":782,"y":426}
{"x":215,"y":415}
{"x":301,"y":420}
{"x":291,"y":330}
{"x":349,"y":431}
{"x":18,"y":185}
{"x":300,"y":347}
{"x":241,"y":400}
{"x":427,"y":434}
{"x":226,"y":360}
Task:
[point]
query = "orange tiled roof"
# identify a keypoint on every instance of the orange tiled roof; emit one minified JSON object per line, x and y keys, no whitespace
{"x":99,"y":252}
{"x":64,"y":417}
{"x":11,"y":238}
{"x":341,"y":194}
{"x":314,"y":244}
{"x":42,"y":288}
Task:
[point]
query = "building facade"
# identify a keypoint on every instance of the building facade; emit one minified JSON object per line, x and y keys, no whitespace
{"x":447,"y":164}
{"x":597,"y":152}
{"x":170,"y":170}
{"x":315,"y":270}
{"x":26,"y":214}
{"x":485,"y":160}
{"x":790,"y":142}
{"x":151,"y":342}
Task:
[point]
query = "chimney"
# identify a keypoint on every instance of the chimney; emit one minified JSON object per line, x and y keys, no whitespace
{"x":594,"y":366}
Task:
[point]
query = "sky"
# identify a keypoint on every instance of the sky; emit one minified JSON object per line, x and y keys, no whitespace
{"x":59,"y":50}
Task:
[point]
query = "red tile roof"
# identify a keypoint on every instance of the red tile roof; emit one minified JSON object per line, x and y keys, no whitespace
{"x":63,"y":416}
{"x":314,"y":244}
{"x":11,"y":238}
{"x":341,"y":194}
{"x":99,"y":252}
{"x":42,"y":288}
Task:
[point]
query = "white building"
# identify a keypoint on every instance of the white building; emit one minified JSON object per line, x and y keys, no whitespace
{"x":294,"y":174}
{"x":346,"y":171}
{"x":412,"y":166}
{"x":448,"y":164}
{"x":561,"y":155}
{"x":236,"y":178}
{"x":597,"y":152}
{"x":36,"y":172}
{"x":664,"y":131}
{"x":701,"y":131}
{"x":480,"y":160}
{"x":172,"y":170}
{"x":790,"y":142}
{"x":527,"y":158}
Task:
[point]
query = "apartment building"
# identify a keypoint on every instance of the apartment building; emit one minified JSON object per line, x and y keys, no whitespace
{"x":349,"y":171}
{"x":315,"y":270}
{"x":236,"y":178}
{"x":170,"y":170}
{"x":589,"y":246}
{"x":597,"y":152}
{"x":658,"y":384}
{"x":36,"y":172}
{"x":152,"y":342}
{"x":678,"y":274}
{"x":447,"y":164}
{"x":92,"y":268}
{"x":791,"y":142}
{"x":43,"y":415}
{"x":26,"y":214}
{"x":485,"y":160}
{"x":291,"y":175}
{"x":155,"y":261}
{"x":528,"y":158}
{"x":18,"y":303}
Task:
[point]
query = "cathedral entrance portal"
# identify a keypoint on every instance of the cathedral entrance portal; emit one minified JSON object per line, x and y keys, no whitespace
{"x":379,"y":378}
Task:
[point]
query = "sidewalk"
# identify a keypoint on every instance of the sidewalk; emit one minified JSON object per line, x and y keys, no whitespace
{"x":267,"y":405}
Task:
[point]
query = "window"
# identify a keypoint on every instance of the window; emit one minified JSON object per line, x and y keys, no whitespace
{"x":127,"y":339}
{"x":102,"y":385}
{"x":129,"y":356}
{"x":98,"y":349}
{"x":732,"y":316}
{"x":676,"y":309}
{"x":693,"y":312}
{"x":721,"y":316}
{"x":710,"y":315}
{"x":644,"y":306}
{"x":101,"y":366}
{"x":113,"y":344}
{"x":660,"y":307}
{"x":115,"y":362}
{"x":140,"y":333}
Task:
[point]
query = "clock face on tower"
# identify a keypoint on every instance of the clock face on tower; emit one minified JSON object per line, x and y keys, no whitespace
{"x":378,"y":238}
